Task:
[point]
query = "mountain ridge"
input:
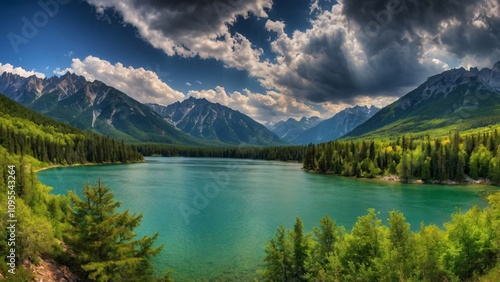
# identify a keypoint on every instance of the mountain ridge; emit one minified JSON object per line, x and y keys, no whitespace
{"x":337,"y":126}
{"x":215,"y":122}
{"x":92,"y":106}
{"x":456,"y":99}
{"x":291,"y":128}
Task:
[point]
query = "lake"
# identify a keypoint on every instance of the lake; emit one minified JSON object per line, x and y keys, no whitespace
{"x":215,"y":215}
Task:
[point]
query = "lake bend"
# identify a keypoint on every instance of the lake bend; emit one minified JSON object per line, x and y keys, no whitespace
{"x":215,"y":215}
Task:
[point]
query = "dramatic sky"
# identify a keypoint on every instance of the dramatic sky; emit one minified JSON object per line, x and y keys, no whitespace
{"x":270,"y":59}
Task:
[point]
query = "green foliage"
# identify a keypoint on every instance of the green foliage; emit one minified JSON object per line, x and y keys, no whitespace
{"x":300,"y":251}
{"x":362,"y":247}
{"x":25,"y":132}
{"x":430,"y":247}
{"x":471,"y":238}
{"x":36,"y":222}
{"x":278,"y":260}
{"x":450,"y":159}
{"x":282,"y":153}
{"x":467,"y":248}
{"x":104,"y":241}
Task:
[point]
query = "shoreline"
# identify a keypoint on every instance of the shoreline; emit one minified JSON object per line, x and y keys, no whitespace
{"x":396,"y":179}
{"x":85,"y":164}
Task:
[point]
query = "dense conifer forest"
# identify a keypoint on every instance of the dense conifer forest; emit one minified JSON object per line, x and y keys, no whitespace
{"x":25,"y":132}
{"x":429,"y":159}
{"x":432,"y":160}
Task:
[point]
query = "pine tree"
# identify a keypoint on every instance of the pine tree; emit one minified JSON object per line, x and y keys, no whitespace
{"x":104,"y":241}
{"x":278,"y":258}
{"x":299,"y":250}
{"x":401,"y":246}
{"x":327,"y":236}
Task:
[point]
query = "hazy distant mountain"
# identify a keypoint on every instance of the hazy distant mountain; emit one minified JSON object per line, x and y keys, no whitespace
{"x":291,"y":128}
{"x":336,"y":126}
{"x":212,"y":121}
{"x":457,"y":99}
{"x":92,"y":105}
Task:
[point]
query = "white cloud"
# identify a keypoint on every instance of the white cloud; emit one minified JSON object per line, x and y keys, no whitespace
{"x":314,"y":6}
{"x":200,"y":29}
{"x":334,"y":60}
{"x":59,"y":71}
{"x":271,"y":106}
{"x":142,"y":85}
{"x":299,"y":68}
{"x":188,"y":84}
{"x":276,"y":26}
{"x":19,"y":71}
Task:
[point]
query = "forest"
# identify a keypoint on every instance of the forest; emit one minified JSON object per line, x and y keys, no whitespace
{"x":25,"y":132}
{"x":281,"y":153}
{"x":466,"y":250}
{"x":433,"y":160}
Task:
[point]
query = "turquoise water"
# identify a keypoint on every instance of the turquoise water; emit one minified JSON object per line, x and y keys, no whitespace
{"x":215,"y":215}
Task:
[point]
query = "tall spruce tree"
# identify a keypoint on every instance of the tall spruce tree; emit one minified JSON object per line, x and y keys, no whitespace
{"x":300,"y":250}
{"x":104,"y":241}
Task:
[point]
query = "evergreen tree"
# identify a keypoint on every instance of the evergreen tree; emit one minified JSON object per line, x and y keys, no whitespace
{"x":362,"y":248}
{"x":104,"y":241}
{"x":401,"y":248}
{"x":328,"y":236}
{"x":300,"y":250}
{"x":278,"y":258}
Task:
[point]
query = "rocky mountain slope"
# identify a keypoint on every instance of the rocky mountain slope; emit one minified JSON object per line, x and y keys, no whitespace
{"x":291,"y":128}
{"x":457,"y":99}
{"x":336,"y":126}
{"x":92,"y":106}
{"x":214,"y":122}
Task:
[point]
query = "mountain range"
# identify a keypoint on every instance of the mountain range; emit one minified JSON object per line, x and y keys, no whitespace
{"x":215,"y":122}
{"x":456,"y":99}
{"x":103,"y":109}
{"x":92,"y":106}
{"x":335,"y":127}
{"x":291,"y":128}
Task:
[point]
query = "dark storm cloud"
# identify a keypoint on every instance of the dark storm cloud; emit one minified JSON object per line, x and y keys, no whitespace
{"x":412,"y":17}
{"x":359,"y":48}
{"x":191,"y":17}
{"x":399,"y":40}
